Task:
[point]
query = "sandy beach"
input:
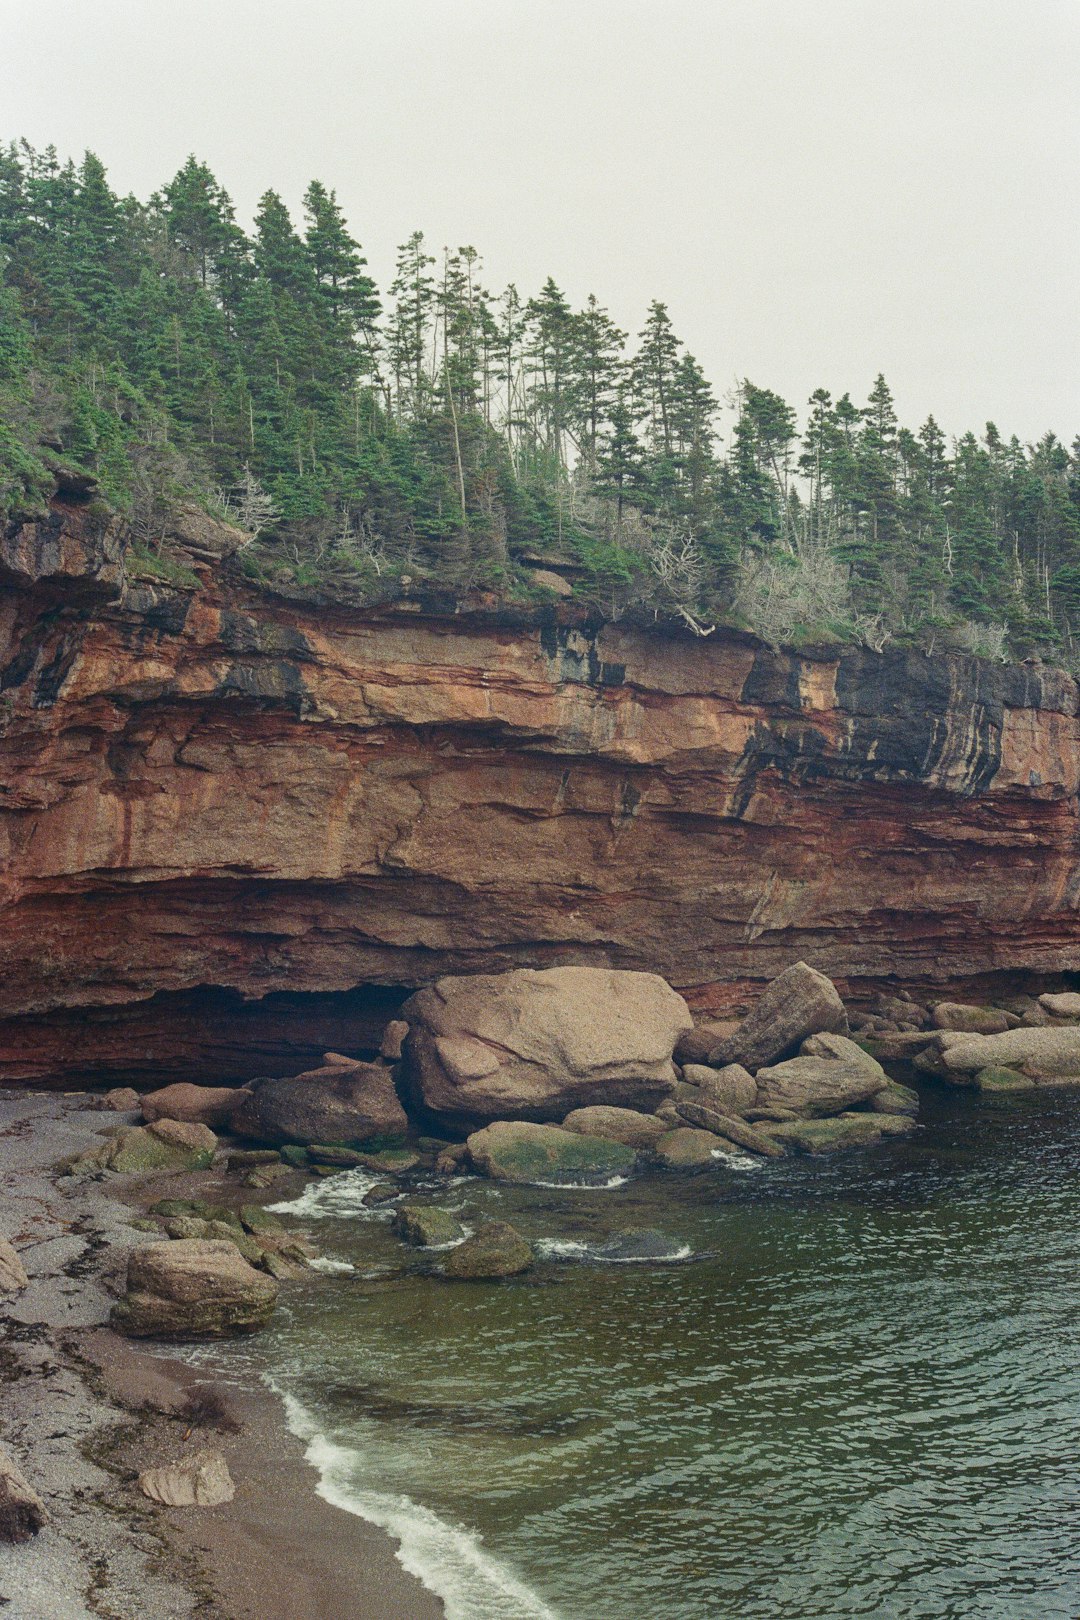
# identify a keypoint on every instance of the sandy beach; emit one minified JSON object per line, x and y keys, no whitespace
{"x":83,"y":1411}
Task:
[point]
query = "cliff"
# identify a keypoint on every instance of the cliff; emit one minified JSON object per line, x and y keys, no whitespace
{"x":236,"y":829}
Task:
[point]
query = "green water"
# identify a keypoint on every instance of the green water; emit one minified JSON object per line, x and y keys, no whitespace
{"x":860,"y":1396}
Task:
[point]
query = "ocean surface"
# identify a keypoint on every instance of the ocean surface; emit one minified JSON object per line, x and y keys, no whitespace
{"x":852,"y":1388}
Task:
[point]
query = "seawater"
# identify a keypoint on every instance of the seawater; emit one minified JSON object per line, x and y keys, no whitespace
{"x":851,"y":1388}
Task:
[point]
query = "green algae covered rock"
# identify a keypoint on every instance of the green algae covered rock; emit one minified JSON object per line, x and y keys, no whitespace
{"x":1003,"y":1080}
{"x":819,"y":1136}
{"x":687,"y":1149}
{"x":895,"y":1099}
{"x":426,"y":1227}
{"x":135,"y":1150}
{"x":496,"y":1250}
{"x":517,"y":1151}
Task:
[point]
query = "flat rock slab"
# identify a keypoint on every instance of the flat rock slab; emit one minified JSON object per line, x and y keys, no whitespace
{"x":625,"y":1125}
{"x":519,"y":1151}
{"x":1042,"y":1054}
{"x":800,"y":1002}
{"x":822,"y":1136}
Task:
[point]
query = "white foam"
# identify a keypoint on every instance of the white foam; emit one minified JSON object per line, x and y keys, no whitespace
{"x":573,"y":1249}
{"x":325,"y":1263}
{"x":738,"y":1161}
{"x":338,"y":1195}
{"x":448,"y":1560}
{"x":581,"y":1186}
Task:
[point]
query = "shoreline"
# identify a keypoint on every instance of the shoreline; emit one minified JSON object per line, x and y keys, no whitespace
{"x":84,"y":1410}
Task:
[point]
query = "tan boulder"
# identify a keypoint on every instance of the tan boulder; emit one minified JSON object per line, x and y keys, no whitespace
{"x":687,"y":1149}
{"x":1064,"y":1004}
{"x":626,"y":1125}
{"x":535,"y":1045}
{"x":193,"y":1105}
{"x":200,"y":1480}
{"x":972,"y":1020}
{"x":800,"y":1002}
{"x":193,"y":1288}
{"x":812,"y":1087}
{"x":735,"y":1131}
{"x":121,"y":1099}
{"x":1047,"y":1056}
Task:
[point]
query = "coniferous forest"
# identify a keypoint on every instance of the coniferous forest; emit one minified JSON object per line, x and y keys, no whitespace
{"x":434,"y":436}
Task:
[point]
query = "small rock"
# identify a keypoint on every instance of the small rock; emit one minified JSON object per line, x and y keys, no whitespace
{"x":122,"y":1099}
{"x":391,"y":1162}
{"x":495,"y":1250}
{"x":195,"y":1105}
{"x":425,"y":1226}
{"x":625,"y":1125}
{"x":253,"y":1218}
{"x":1063,"y":1004}
{"x":732,"y":1089}
{"x":393,"y":1040}
{"x":383,"y":1192}
{"x":265,"y":1175}
{"x":972,"y":1020}
{"x":895,"y":1099}
{"x":13,"y":1278}
{"x":686,"y":1149}
{"x":201,"y":1480}
{"x":822,"y":1136}
{"x":345,"y":1158}
{"x":22,"y":1512}
{"x":294,"y":1155}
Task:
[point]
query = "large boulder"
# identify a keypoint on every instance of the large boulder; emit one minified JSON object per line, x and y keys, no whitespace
{"x":521,"y":1151}
{"x":22,"y":1512}
{"x":193,"y":1288}
{"x":13,"y":1278}
{"x":1063,"y":1004}
{"x":344,"y":1104}
{"x":812,"y":1087}
{"x":799,"y":1003}
{"x":626,"y":1125}
{"x":495,"y":1250}
{"x":1047,"y":1056}
{"x":821,"y":1136}
{"x":533,"y":1045}
{"x":426,"y":1226}
{"x":195,"y":1105}
{"x":732,"y":1089}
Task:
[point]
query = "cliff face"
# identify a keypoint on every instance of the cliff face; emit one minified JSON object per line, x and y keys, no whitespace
{"x":235,"y":829}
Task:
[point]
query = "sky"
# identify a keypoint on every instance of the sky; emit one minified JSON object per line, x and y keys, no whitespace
{"x":819,"y":190}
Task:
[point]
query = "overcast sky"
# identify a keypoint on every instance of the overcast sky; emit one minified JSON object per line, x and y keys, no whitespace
{"x":818,"y":189}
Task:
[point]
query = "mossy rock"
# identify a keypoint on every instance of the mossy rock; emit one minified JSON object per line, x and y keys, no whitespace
{"x":329,"y":1153}
{"x":821,"y":1136}
{"x":686,"y":1148}
{"x":426,"y":1227}
{"x":390,"y":1161}
{"x":895,"y":1099}
{"x":255,"y":1219}
{"x":1003,"y":1080}
{"x":136,"y":1150}
{"x":295,"y":1155}
{"x":520,"y":1152}
{"x":496,"y":1250}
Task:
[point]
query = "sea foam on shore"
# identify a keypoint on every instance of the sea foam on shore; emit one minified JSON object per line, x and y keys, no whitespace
{"x":448,"y":1560}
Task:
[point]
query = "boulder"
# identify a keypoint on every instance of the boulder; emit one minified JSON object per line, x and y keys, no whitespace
{"x":820,"y":1136}
{"x":533,"y":1045}
{"x":799,"y":1003}
{"x":844,"y":1050}
{"x":694,"y":1045}
{"x":1047,"y":1056}
{"x":167,"y":1144}
{"x":426,"y":1227}
{"x":901,"y":1047}
{"x":190,"y":1226}
{"x":195,"y":1105}
{"x":13,"y":1278}
{"x":344,"y":1104}
{"x":895,"y":1098}
{"x":636,"y":1243}
{"x":495,"y":1250}
{"x":930,"y":1060}
{"x":813,"y":1086}
{"x":22,"y":1512}
{"x":200,"y":1480}
{"x":520,"y":1151}
{"x":732,"y":1089}
{"x":1064,"y":1004}
{"x":687,"y":1149}
{"x":626,"y":1125}
{"x":453,"y":1160}
{"x":735,"y":1131}
{"x":898,"y":1009}
{"x":972,"y":1020}
{"x":193,"y":1288}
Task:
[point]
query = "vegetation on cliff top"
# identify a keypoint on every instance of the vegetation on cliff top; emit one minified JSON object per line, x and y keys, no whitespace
{"x":450,"y":439}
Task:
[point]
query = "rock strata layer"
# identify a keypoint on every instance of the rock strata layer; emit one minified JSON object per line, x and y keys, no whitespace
{"x":228,"y":820}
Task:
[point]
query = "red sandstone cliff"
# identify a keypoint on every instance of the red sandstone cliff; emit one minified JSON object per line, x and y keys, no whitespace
{"x":234,"y":828}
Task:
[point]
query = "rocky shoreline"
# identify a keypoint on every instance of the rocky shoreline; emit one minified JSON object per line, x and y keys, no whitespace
{"x":85,"y":1411}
